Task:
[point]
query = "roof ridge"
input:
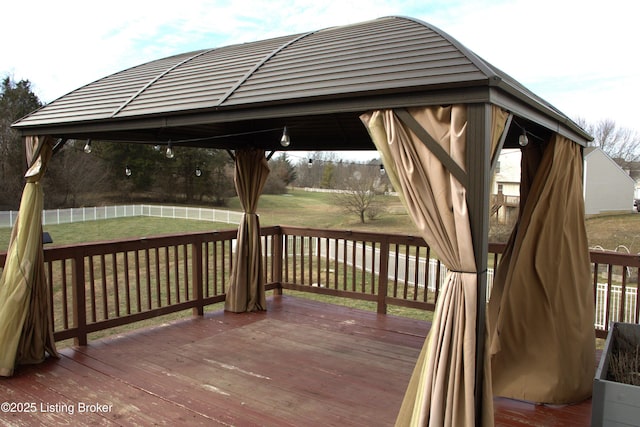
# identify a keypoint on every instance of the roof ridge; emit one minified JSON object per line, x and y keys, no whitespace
{"x":158,"y":77}
{"x":255,"y":68}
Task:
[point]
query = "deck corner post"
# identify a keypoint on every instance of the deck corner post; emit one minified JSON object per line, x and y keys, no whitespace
{"x":278,"y":255}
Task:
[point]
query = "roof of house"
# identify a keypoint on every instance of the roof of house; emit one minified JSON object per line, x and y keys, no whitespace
{"x":315,"y":83}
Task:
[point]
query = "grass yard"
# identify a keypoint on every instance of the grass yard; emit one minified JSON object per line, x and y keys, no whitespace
{"x":621,"y":232}
{"x":310,"y":209}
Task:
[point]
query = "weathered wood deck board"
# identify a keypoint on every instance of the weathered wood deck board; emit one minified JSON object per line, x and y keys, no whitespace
{"x":301,"y":363}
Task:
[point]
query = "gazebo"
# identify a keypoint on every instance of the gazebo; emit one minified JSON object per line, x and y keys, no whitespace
{"x":439,"y":116}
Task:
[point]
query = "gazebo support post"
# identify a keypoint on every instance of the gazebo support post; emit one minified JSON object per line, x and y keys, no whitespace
{"x":478,"y":192}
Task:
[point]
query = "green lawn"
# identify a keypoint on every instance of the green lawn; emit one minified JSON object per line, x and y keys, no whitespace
{"x":311,"y":209}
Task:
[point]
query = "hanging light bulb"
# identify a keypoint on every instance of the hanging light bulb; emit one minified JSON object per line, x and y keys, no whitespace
{"x":156,"y":147}
{"x":169,"y":153}
{"x":310,"y":163}
{"x":198,"y":171}
{"x":382,"y":171}
{"x":87,"y":146}
{"x":522,"y":139}
{"x":285,"y":140}
{"x":127,"y":171}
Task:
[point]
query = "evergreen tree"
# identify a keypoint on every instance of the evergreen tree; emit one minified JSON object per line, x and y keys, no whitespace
{"x":16,"y":101}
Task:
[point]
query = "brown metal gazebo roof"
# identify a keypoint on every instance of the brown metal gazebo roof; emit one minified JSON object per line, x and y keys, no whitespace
{"x":316,"y":84}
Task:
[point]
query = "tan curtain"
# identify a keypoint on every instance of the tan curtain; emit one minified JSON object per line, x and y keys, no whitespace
{"x":441,"y":389}
{"x":26,"y":333}
{"x":246,"y":290}
{"x":541,"y":310}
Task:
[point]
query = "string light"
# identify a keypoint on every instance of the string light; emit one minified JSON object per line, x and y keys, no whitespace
{"x":522,"y":139}
{"x":169,"y":153}
{"x":285,"y":141}
{"x":87,"y":147}
{"x":198,"y":171}
{"x":127,"y":171}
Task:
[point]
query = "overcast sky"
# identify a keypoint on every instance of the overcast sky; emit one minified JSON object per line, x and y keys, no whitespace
{"x":581,"y":56}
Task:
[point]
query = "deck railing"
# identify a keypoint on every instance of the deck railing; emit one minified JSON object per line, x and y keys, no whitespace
{"x":96,"y":286}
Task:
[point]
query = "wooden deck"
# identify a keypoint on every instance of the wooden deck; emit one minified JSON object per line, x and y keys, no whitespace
{"x":301,"y":363}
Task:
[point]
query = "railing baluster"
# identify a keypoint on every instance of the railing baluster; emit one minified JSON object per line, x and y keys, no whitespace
{"x":363,"y":263}
{"x":425,"y":276}
{"x":116,"y":293}
{"x":607,"y":317}
{"x":92,"y":288}
{"x":196,"y":280}
{"x":176,"y":271}
{"x":416,"y":274}
{"x":623,"y":297}
{"x":79,"y":301}
{"x":383,"y":278}
{"x":185,"y":265}
{"x":395,"y":272}
{"x":345,"y":252}
{"x":167,"y":275}
{"x":50,"y":282}
{"x":318,"y":261}
{"x":136,"y":261}
{"x":309,"y":255}
{"x":127,"y":283}
{"x":147,"y":265}
{"x":65,"y":309}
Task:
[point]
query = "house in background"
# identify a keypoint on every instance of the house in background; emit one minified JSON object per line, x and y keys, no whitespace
{"x":505,"y":187}
{"x":607,"y":187}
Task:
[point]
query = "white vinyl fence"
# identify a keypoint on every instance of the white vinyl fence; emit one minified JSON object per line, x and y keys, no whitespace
{"x":66,"y":216}
{"x":602,"y":300}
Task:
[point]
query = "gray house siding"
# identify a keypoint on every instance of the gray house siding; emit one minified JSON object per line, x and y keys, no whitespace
{"x":607,"y":187}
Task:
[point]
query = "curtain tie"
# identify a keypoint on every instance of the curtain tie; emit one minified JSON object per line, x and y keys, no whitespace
{"x":467,"y":272}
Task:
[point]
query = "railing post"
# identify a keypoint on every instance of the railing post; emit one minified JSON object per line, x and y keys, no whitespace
{"x":383,"y":277}
{"x":278,"y":254}
{"x":196,"y":274}
{"x":79,"y":300}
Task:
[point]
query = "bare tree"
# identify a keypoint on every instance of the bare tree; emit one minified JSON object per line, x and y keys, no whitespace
{"x":621,"y":144}
{"x":359,"y":196}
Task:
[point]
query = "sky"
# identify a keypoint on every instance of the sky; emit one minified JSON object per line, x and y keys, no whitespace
{"x":580,"y":56}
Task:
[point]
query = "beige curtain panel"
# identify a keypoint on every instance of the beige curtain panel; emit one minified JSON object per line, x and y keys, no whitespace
{"x":441,"y":389}
{"x":26,"y":333}
{"x":541,"y":310}
{"x":246,"y":289}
